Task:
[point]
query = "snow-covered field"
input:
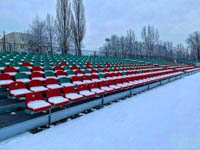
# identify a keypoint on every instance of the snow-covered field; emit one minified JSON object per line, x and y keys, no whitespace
{"x":165,"y":118}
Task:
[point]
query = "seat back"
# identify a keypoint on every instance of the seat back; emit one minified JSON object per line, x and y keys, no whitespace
{"x":35,"y":83}
{"x":26,"y":64}
{"x":35,"y":69}
{"x":51,"y":81}
{"x":111,"y":82}
{"x":36,"y":75}
{"x":102,"y":84}
{"x":53,"y":93}
{"x":60,"y":73}
{"x":49,"y":74}
{"x":94,"y":76}
{"x":68,"y":90}
{"x":5,"y":77}
{"x":9,"y":69}
{"x":17,"y":85}
{"x":82,"y":87}
{"x":64,"y":80}
{"x":85,"y":78}
{"x":57,"y":68}
{"x":21,"y":76}
{"x":33,"y":97}
{"x":75,"y":78}
{"x":93,"y":86}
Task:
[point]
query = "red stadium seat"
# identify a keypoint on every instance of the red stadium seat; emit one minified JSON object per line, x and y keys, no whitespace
{"x":37,"y":69}
{"x":94,"y":78}
{"x":10,"y":70}
{"x":76,"y":80}
{"x":86,"y":79}
{"x":52,"y":84}
{"x":55,"y":98}
{"x":27,"y":64}
{"x":94,"y":88}
{"x":5,"y":80}
{"x":104,"y":86}
{"x":63,"y":64}
{"x":83,"y":90}
{"x":94,"y":71}
{"x":112,"y":84}
{"x":36,"y":103}
{"x":37,"y":86}
{"x":57,"y":68}
{"x":71,"y":94}
{"x":79,"y":72}
{"x":121,"y":84}
{"x":18,"y":89}
{"x":37,"y":76}
{"x":60,"y":74}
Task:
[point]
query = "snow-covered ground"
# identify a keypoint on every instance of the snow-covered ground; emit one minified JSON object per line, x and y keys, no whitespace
{"x":165,"y":118}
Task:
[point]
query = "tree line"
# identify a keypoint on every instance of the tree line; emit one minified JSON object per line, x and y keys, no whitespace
{"x":67,"y":29}
{"x":127,"y":46}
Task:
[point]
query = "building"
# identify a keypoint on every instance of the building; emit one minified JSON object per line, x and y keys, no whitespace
{"x":16,"y":41}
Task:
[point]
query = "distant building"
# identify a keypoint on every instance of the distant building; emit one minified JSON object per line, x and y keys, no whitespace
{"x":16,"y":41}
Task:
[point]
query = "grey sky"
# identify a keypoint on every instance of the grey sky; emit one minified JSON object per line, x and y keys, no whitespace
{"x":175,"y":19}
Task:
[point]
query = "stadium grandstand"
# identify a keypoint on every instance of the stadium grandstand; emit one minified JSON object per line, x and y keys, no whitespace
{"x":40,"y":89}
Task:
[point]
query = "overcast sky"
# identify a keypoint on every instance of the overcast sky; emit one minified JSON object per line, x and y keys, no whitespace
{"x":174,"y":19}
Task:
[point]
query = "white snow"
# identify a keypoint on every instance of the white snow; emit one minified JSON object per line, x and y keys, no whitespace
{"x":38,"y":104}
{"x":73,"y":96}
{"x":57,"y":100}
{"x":38,"y":89}
{"x":5,"y":82}
{"x":54,"y":86}
{"x":86,"y":93}
{"x":20,"y":92}
{"x":164,"y":118}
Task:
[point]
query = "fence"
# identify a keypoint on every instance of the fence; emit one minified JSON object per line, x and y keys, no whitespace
{"x":15,"y":47}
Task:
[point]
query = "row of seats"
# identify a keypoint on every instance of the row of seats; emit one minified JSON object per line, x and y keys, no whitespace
{"x":35,"y":101}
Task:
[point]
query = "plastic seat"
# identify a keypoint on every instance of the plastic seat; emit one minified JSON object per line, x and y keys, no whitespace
{"x":94,"y":78}
{"x":76,"y":80}
{"x":65,"y":82}
{"x":22,"y":77}
{"x":10,"y":70}
{"x":86,"y":79}
{"x":37,"y":76}
{"x":18,"y":89}
{"x":55,"y":98}
{"x":57,"y":68}
{"x":36,"y":103}
{"x":121,"y":84}
{"x":83,"y":90}
{"x":25,"y":70}
{"x":60,"y":74}
{"x":27,"y":64}
{"x":5,"y":80}
{"x":71,"y":94}
{"x":37,"y":69}
{"x":49,"y":75}
{"x":52,"y":84}
{"x":104,"y":86}
{"x":94,"y":88}
{"x":112,"y":84}
{"x":79,"y":73}
{"x":37,"y":86}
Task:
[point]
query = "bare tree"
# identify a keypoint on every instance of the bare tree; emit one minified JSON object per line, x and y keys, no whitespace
{"x":193,"y":42}
{"x":150,"y":36}
{"x":50,"y":30}
{"x":38,"y":33}
{"x":63,"y":24}
{"x":78,"y":25}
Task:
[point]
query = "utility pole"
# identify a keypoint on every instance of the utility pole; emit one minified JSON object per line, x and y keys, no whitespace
{"x":3,"y":41}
